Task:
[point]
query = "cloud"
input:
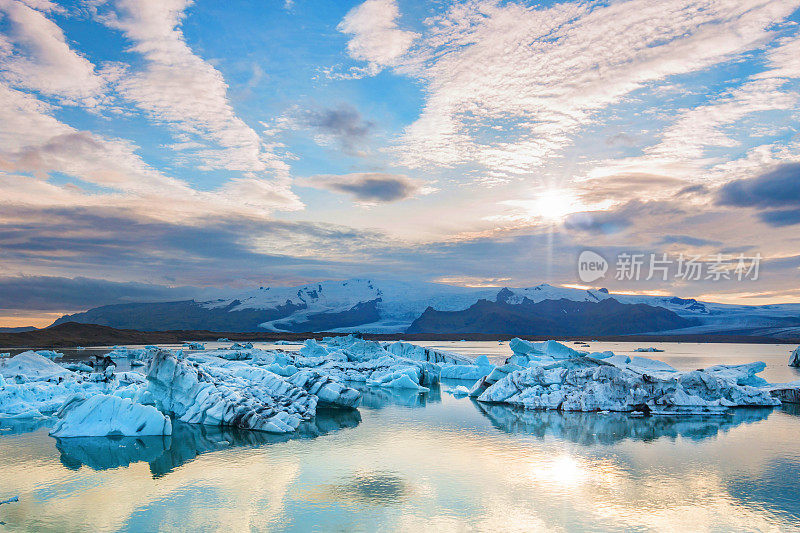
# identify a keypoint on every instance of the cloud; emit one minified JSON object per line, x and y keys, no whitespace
{"x":179,"y":88}
{"x":117,"y":243}
{"x":688,"y":240}
{"x":344,"y":124}
{"x":786,"y":217}
{"x":693,"y":190}
{"x":621,"y":217}
{"x":369,"y":186}
{"x":779,"y":187}
{"x":605,"y":222}
{"x":52,"y":293}
{"x":508,"y":86}
{"x":38,"y":58}
{"x":375,"y":36}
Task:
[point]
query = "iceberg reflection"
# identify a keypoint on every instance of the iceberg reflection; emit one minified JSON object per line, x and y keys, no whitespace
{"x":165,"y":453}
{"x":379,"y":397}
{"x":15,"y":426}
{"x":596,"y":428}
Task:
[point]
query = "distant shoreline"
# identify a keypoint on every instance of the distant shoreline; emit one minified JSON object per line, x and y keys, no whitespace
{"x":72,"y":334}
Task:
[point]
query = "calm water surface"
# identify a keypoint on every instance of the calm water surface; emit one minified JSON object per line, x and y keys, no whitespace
{"x":429,"y":462}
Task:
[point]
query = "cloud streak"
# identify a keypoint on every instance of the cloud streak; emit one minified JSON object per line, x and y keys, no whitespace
{"x":369,"y":187}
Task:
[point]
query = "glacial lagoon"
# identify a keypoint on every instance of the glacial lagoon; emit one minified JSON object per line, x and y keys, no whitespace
{"x":428,"y":461}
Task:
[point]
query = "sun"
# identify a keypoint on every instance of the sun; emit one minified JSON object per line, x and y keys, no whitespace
{"x":553,"y":205}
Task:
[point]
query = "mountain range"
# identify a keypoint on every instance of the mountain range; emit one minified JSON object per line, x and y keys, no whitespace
{"x":374,"y":306}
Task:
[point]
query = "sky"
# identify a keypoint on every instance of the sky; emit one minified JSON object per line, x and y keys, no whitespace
{"x":164,"y":149}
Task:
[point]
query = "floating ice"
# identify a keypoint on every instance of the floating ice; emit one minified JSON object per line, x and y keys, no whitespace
{"x":241,"y":346}
{"x":493,"y":377}
{"x":104,"y":415}
{"x":78,"y":367}
{"x":585,"y":384}
{"x":526,"y":352}
{"x":650,"y":349}
{"x":459,"y":391}
{"x":32,"y":386}
{"x":420,"y":353}
{"x":465,"y":372}
{"x":794,"y":359}
{"x":231,"y":393}
{"x":194,"y":345}
{"x":32,"y":366}
{"x":786,"y":392}
{"x":50,"y":354}
{"x":138,"y":354}
{"x":481,"y":368}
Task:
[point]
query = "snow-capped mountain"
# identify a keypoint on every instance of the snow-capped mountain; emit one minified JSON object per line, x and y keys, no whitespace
{"x":374,"y":306}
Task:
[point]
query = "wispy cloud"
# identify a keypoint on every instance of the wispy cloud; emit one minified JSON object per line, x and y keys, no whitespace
{"x":34,"y":55}
{"x":509,"y":85}
{"x":179,"y":88}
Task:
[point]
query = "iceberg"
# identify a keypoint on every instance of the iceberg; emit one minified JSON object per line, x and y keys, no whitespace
{"x":474,"y":371}
{"x":50,"y":354}
{"x":493,"y":377}
{"x":794,"y":359}
{"x":241,"y":346}
{"x":105,"y":415}
{"x":645,"y":364}
{"x":465,"y":372}
{"x":526,"y":352}
{"x":78,"y":367}
{"x":194,"y":345}
{"x":786,"y":392}
{"x":420,"y":353}
{"x":594,"y":385}
{"x":32,"y":366}
{"x":650,"y":349}
{"x":459,"y":391}
{"x":232,"y":393}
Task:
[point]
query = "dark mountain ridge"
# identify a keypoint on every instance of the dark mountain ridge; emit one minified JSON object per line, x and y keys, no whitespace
{"x":550,"y":317}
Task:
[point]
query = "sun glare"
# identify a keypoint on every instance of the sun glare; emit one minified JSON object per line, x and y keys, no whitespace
{"x":553,"y":205}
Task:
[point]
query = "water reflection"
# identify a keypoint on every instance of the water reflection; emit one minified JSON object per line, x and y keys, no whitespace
{"x":372,"y":488}
{"x":187,"y":442}
{"x":595,"y":428}
{"x":380,"y":397}
{"x":15,"y":426}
